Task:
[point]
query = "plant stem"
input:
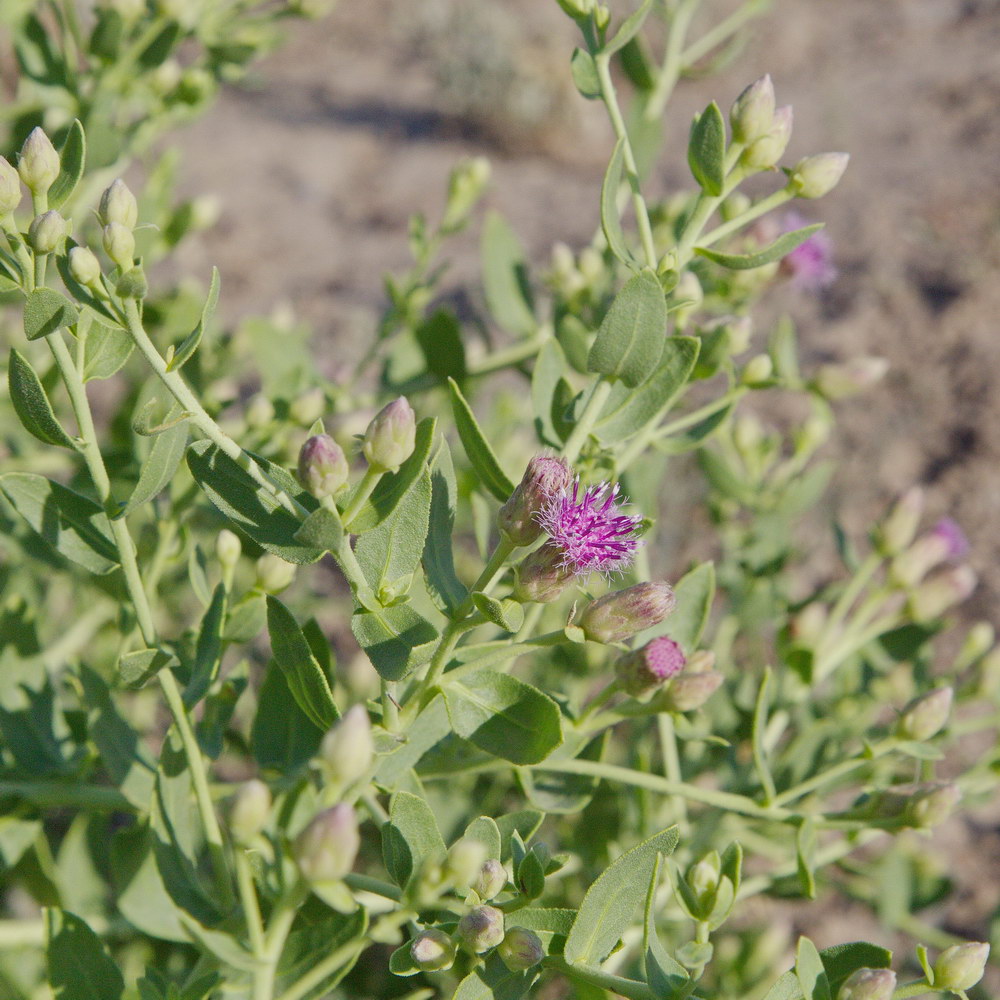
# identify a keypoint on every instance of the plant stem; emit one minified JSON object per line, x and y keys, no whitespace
{"x":489,"y":576}
{"x":674,"y":61}
{"x":755,"y":211}
{"x":59,"y":795}
{"x":671,"y":760}
{"x":723,"y":30}
{"x":592,"y":410}
{"x":629,"y":988}
{"x":845,"y":767}
{"x":364,"y":490}
{"x":520,"y":351}
{"x":255,"y":926}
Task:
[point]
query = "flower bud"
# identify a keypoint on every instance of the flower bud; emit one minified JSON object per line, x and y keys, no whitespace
{"x":481,"y":929}
{"x":466,"y":184}
{"x":118,"y":204}
{"x":703,"y":880}
{"x":84,"y":266}
{"x":260,"y":411}
{"x":464,"y":863}
{"x":898,"y":529}
{"x":644,"y":670}
{"x":325,"y":850}
{"x":433,"y":951}
{"x":758,"y":370}
{"x":323,"y":468}
{"x":868,"y":984}
{"x":753,"y":111}
{"x":10,"y":188}
{"x":130,"y":10}
{"x":577,"y":9}
{"x":39,"y":163}
{"x":491,"y":879}
{"x":808,"y":624}
{"x":228,"y":548}
{"x":542,"y":575}
{"x":132,"y":284}
{"x":308,"y":408}
{"x":274,"y":574}
{"x":838,"y":381}
{"x":818,"y":175}
{"x":944,"y":541}
{"x":249,"y":810}
{"x":46,"y":231}
{"x":739,"y":330}
{"x":925,"y":716}
{"x":390,"y":437}
{"x":520,"y":949}
{"x":931,"y":804}
{"x":205,"y":211}
{"x":942,"y":592}
{"x":689,"y":691}
{"x":119,"y":244}
{"x":767,"y":150}
{"x":347,"y":751}
{"x":544,"y":477}
{"x":624,"y":613}
{"x":961,"y":966}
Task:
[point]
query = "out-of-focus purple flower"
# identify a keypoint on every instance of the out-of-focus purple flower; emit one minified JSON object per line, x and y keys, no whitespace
{"x":590,"y":531}
{"x":809,"y":265}
{"x":955,"y":542}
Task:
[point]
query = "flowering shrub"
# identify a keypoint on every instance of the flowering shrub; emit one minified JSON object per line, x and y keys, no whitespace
{"x":516,"y":748}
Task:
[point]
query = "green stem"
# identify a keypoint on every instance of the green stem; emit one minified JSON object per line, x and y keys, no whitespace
{"x":282,"y":918}
{"x":674,"y":61}
{"x":390,"y":709}
{"x":254,"y":924}
{"x":601,"y":699}
{"x":917,"y":989}
{"x":588,"y":418}
{"x":671,"y":760}
{"x":849,"y":595}
{"x":510,"y":356}
{"x":851,"y":643}
{"x":325,"y":967}
{"x":364,"y":490}
{"x":489,"y":576}
{"x":723,"y":30}
{"x":508,"y":651}
{"x":57,"y":795}
{"x":629,"y":988}
{"x":365,"y":883}
{"x":845,"y":767}
{"x":760,"y":208}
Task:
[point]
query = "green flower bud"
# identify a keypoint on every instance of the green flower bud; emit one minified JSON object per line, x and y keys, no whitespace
{"x":464,"y":863}
{"x":195,"y":85}
{"x":931,"y":804}
{"x":520,"y":949}
{"x":481,"y":929}
{"x":807,"y":625}
{"x":119,"y":244}
{"x":544,"y":478}
{"x":961,"y":966}
{"x":84,"y":266}
{"x":118,"y":204}
{"x":541,"y":576}
{"x":39,"y":162}
{"x":942,"y":592}
{"x":577,"y":9}
{"x":624,"y":613}
{"x":899,"y":528}
{"x":703,"y":881}
{"x":644,"y":670}
{"x":46,"y":232}
{"x":248,"y":812}
{"x":312,"y":9}
{"x":491,"y":880}
{"x":166,"y":76}
{"x":691,"y":690}
{"x":347,"y":750}
{"x":274,"y":574}
{"x":326,"y":849}
{"x":390,"y":437}
{"x":323,"y":468}
{"x":753,"y":111}
{"x":205,"y":211}
{"x":260,"y":411}
{"x":466,"y":184}
{"x":130,"y":10}
{"x":978,"y":642}
{"x":602,"y":17}
{"x":925,"y":716}
{"x":132,"y":284}
{"x":10,"y":188}
{"x":757,"y":370}
{"x":868,"y":984}
{"x":308,"y":407}
{"x":818,"y":175}
{"x":433,"y":951}
{"x":739,"y":331}
{"x":765,"y":151}
{"x":838,"y":381}
{"x":228,"y":548}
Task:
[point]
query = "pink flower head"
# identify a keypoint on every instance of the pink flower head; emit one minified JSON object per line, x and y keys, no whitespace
{"x":809,"y":265}
{"x":590,"y":531}
{"x":955,"y":543}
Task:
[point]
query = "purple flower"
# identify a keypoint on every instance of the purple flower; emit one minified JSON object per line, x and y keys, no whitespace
{"x":955,"y":543}
{"x":590,"y":531}
{"x":809,"y":265}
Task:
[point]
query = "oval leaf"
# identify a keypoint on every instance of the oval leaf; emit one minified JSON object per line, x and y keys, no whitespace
{"x":32,"y":405}
{"x":707,"y":150}
{"x":481,"y":455}
{"x":72,"y":157}
{"x":397,"y":640}
{"x":159,"y":468}
{"x":190,"y":343}
{"x":47,"y":311}
{"x":505,"y":278}
{"x":105,"y":351}
{"x":782,"y":246}
{"x":79,"y":967}
{"x":610,"y":218}
{"x":410,"y":836}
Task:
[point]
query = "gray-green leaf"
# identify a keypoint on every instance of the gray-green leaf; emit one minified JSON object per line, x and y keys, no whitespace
{"x":397,"y":640}
{"x":481,"y":455}
{"x":707,"y":150}
{"x":72,"y":157}
{"x":505,"y":278}
{"x":32,"y":405}
{"x":47,"y":311}
{"x":79,"y":967}
{"x":410,"y":836}
{"x":159,"y":468}
{"x":105,"y":351}
{"x":782,"y":246}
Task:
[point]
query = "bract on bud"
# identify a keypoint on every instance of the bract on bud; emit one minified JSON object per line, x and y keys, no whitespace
{"x":753,"y":111}
{"x":818,"y":175}
{"x":757,"y":370}
{"x":899,"y":528}
{"x":542,"y":575}
{"x":961,"y":966}
{"x":323,"y":468}
{"x":767,"y":150}
{"x":464,"y":863}
{"x":931,"y":804}
{"x":689,"y":691}
{"x":942,"y":592}
{"x":84,"y":266}
{"x":925,"y":716}
{"x":491,"y":879}
{"x":39,"y":162}
{"x":249,"y":810}
{"x":433,"y":951}
{"x":325,"y":850}
{"x":46,"y":232}
{"x":466,"y":184}
{"x":868,"y":984}
{"x":274,"y":574}
{"x":481,"y":929}
{"x":544,"y":477}
{"x":119,"y":244}
{"x":347,"y":750}
{"x":838,"y":381}
{"x":308,"y":408}
{"x":520,"y":949}
{"x":644,"y":670}
{"x":390,"y":437}
{"x":624,"y":613}
{"x":10,"y":188}
{"x":228,"y":548}
{"x":118,"y":204}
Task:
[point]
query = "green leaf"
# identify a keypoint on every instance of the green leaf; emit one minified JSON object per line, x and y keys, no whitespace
{"x":72,"y":157}
{"x":79,"y":967}
{"x":663,"y":972}
{"x":504,"y":716}
{"x":397,"y":640}
{"x":707,"y":150}
{"x":610,"y":218}
{"x":72,"y":524}
{"x":323,"y":937}
{"x":440,"y":340}
{"x":695,"y":592}
{"x":628,"y":29}
{"x":443,"y":584}
{"x":428,"y":729}
{"x":47,"y":311}
{"x":838,"y":963}
{"x":208,"y":650}
{"x":189,"y":345}
{"x":137,"y":667}
{"x":32,"y":405}
{"x":159,"y":468}
{"x":105,"y":351}
{"x":481,"y":455}
{"x":304,"y":675}
{"x":782,"y":246}
{"x":322,"y":529}
{"x":494,"y":981}
{"x":810,"y":972}
{"x":630,"y":341}
{"x":253,"y":509}
{"x":485,"y":831}
{"x":553,"y":792}
{"x":505,"y":278}
{"x":409,"y":837}
{"x":550,"y":367}
{"x":584,"y":72}
{"x":805,"y":856}
{"x":524,"y":823}
{"x":506,"y":614}
{"x":629,"y":410}
{"x":610,"y":903}
{"x":283,"y":737}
